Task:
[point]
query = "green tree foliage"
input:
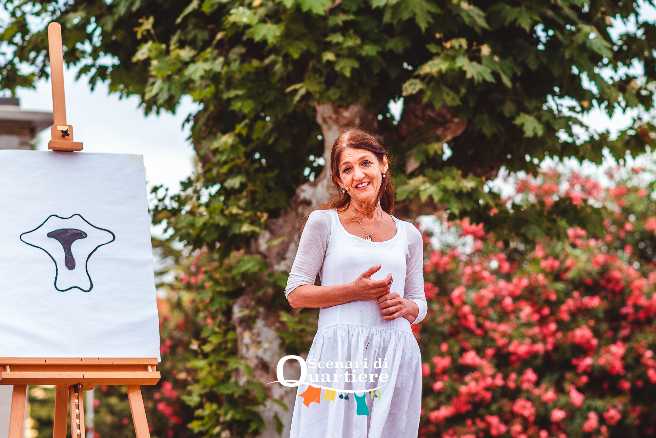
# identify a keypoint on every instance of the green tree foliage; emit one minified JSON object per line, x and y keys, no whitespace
{"x":42,"y":405}
{"x":482,"y":84}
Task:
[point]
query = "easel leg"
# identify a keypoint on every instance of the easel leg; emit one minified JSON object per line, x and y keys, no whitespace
{"x":138,"y":412}
{"x":61,"y":413}
{"x":76,"y":399}
{"x":17,"y":420}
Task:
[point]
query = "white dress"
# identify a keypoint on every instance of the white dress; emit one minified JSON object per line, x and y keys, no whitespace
{"x":382,"y":354}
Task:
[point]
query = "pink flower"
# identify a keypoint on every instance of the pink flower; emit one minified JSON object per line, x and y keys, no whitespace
{"x":431,"y":290}
{"x":524,"y":408}
{"x":576,"y":197}
{"x":583,"y":380}
{"x":483,"y":297}
{"x":583,"y":337}
{"x":458,"y":296}
{"x":507,"y":304}
{"x":612,"y":416}
{"x":425,"y":369}
{"x":611,"y":358}
{"x":165,"y":409}
{"x":539,"y":251}
{"x":591,"y":423}
{"x":618,"y":192}
{"x":590,"y":302}
{"x":469,"y":229}
{"x":516,"y":430}
{"x":599,"y":260}
{"x":549,"y":264}
{"x":557,"y":415}
{"x":496,"y":426}
{"x":441,"y":414}
{"x":438,"y":386}
{"x":575,"y":397}
{"x":438,"y":261}
{"x":549,"y":396}
{"x":651,"y":374}
{"x":470,"y":358}
{"x":442,"y":363}
{"x":650,"y":224}
{"x":168,"y":391}
{"x":583,"y":364}
{"x":624,"y":385}
{"x":461,"y":404}
{"x":528,"y":379}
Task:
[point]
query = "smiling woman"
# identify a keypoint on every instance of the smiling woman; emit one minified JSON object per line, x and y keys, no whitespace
{"x":358,"y":158}
{"x":370,"y":266}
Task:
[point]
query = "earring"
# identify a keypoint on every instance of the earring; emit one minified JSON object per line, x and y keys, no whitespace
{"x":383,"y":175}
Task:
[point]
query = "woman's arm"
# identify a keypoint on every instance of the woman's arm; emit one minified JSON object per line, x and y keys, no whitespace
{"x":363,"y":288}
{"x":412,"y":306}
{"x":414,"y":277}
{"x":310,"y":254}
{"x":311,"y":296}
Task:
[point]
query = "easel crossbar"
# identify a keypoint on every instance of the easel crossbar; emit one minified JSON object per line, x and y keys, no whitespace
{"x":74,"y":371}
{"x":76,"y":360}
{"x":73,"y":377}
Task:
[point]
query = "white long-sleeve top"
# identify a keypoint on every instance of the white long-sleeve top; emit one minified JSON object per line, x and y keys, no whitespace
{"x":327,"y":250}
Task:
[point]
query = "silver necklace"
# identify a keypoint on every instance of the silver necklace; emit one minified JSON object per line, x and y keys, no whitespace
{"x":365,"y":235}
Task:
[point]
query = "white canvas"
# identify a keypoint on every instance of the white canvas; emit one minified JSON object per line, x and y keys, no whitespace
{"x":76,"y":263}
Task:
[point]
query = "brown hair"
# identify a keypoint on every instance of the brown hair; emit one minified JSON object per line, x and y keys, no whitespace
{"x":358,"y":139}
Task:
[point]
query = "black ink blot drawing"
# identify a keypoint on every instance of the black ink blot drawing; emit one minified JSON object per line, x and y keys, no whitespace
{"x":69,"y":242}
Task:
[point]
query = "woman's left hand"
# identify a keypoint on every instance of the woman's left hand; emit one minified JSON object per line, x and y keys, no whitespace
{"x":392,"y":306}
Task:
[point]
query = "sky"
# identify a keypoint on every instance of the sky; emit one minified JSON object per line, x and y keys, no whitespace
{"x":105,"y":123}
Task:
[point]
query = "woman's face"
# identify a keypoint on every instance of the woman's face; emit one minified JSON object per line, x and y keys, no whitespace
{"x":360,"y":174}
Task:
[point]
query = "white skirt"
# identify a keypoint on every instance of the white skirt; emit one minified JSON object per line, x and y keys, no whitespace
{"x":360,"y":358}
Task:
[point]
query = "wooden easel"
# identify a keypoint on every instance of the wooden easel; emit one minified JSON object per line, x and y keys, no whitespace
{"x":72,"y":376}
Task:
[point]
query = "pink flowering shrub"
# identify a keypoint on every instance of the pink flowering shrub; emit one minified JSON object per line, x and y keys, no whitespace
{"x":549,"y":338}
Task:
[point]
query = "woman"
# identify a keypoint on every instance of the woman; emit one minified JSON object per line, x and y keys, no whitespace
{"x":371,"y":269}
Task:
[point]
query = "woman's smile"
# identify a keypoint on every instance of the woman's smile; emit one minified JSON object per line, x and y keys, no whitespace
{"x":360,"y":172}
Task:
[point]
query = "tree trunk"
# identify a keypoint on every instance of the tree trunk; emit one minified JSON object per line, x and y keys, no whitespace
{"x":258,"y":342}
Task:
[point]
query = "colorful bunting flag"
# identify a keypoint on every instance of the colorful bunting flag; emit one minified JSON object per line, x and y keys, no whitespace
{"x":362,"y":408}
{"x":311,"y":394}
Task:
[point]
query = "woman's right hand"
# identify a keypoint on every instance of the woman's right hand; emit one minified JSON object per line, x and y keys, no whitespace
{"x":368,"y":289}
